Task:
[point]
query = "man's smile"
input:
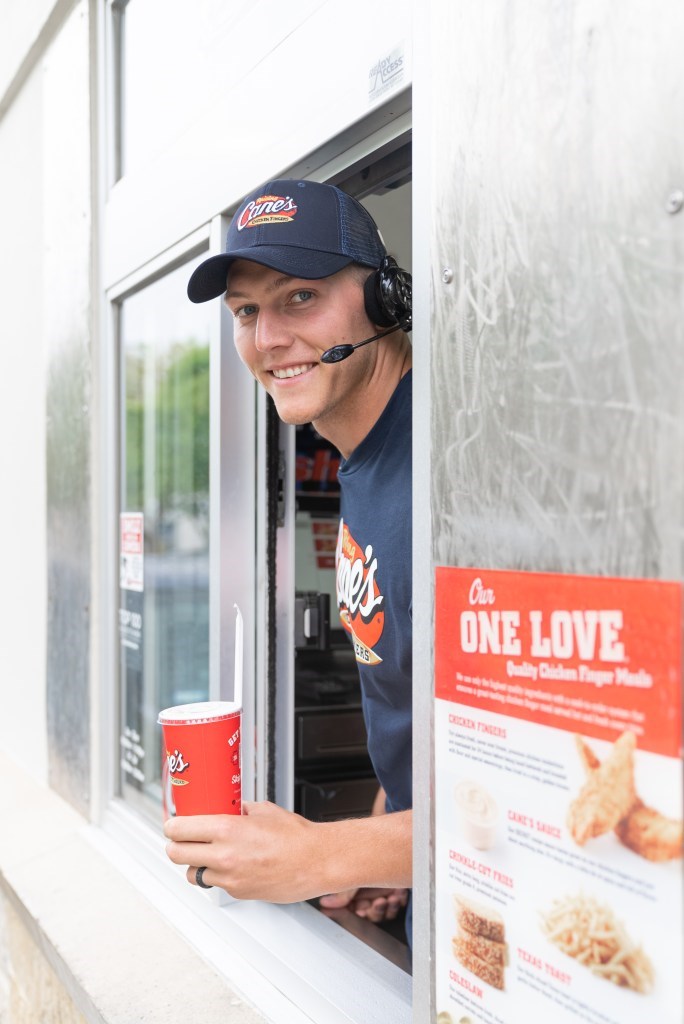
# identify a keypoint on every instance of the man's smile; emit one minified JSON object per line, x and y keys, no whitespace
{"x":292,"y":371}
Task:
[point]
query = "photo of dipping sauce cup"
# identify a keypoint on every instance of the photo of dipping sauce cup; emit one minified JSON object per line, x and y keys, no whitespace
{"x":201,"y":757}
{"x":477,"y":814}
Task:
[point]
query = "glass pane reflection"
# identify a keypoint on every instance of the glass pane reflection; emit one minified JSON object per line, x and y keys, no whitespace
{"x":164,"y":597}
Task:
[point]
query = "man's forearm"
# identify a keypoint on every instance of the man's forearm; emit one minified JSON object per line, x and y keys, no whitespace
{"x":374,"y":851}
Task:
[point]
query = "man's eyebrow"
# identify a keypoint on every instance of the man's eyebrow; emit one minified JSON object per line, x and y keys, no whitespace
{"x":273,"y":286}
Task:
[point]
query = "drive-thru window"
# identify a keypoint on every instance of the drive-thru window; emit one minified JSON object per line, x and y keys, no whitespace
{"x":309,"y":751}
{"x":219,"y":504}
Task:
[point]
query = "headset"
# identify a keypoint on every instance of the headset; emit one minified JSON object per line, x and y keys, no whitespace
{"x":387,"y":296}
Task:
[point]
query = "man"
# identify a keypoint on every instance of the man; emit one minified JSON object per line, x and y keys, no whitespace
{"x":300,"y":275}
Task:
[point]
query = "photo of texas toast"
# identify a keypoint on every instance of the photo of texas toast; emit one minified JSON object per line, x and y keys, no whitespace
{"x":479,"y":944}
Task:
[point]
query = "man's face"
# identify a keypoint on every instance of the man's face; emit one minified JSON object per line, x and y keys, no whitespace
{"x":282,"y":327}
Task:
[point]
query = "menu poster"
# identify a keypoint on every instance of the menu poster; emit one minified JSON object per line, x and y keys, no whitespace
{"x":558,"y":799}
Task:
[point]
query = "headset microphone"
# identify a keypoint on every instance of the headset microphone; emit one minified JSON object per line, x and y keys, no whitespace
{"x":340,"y":352}
{"x":387,"y":297}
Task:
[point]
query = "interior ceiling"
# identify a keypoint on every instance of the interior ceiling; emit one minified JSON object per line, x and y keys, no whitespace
{"x":384,"y":174}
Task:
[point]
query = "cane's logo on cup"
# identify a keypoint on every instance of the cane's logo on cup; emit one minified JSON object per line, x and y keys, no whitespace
{"x":176,"y":766}
{"x":206,"y":736}
{"x":267,"y":210}
{"x":358,"y":595}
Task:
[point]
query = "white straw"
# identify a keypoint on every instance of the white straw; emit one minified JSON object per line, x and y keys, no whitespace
{"x":237,"y":682}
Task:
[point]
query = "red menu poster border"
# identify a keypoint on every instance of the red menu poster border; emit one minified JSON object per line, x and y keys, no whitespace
{"x":598,"y":655}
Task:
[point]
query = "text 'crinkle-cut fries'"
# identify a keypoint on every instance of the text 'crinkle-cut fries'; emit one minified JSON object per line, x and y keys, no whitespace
{"x":589,"y":931}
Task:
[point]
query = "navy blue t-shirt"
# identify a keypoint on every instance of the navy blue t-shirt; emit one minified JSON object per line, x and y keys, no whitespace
{"x":374,"y":587}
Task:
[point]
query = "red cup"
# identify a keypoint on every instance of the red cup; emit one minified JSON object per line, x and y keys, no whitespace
{"x":202,"y":757}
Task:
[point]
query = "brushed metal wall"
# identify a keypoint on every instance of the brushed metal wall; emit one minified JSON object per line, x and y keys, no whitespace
{"x":67,"y":332}
{"x":69,"y":565}
{"x":549,"y":266}
{"x":558,"y":326}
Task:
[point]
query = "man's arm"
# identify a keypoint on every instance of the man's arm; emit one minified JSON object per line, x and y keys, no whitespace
{"x":272,"y":854}
{"x":373,"y":904}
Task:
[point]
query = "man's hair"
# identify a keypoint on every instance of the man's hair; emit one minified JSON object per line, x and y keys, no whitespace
{"x":359,"y":272}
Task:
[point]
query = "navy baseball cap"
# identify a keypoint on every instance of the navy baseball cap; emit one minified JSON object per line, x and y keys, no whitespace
{"x":302,"y":228}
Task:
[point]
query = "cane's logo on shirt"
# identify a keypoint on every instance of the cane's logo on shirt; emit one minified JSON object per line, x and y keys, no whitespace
{"x":267,"y":210}
{"x":358,"y":595}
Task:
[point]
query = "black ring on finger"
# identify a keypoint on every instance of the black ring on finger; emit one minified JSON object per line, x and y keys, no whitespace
{"x":198,"y":878}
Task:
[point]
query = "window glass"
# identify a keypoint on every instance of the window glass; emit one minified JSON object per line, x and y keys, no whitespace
{"x":164,"y":521}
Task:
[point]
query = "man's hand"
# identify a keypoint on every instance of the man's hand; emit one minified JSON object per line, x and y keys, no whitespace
{"x":268,"y":853}
{"x":376,"y":905}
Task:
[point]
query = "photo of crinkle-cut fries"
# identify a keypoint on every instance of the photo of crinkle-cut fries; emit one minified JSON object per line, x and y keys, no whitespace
{"x":589,"y":932}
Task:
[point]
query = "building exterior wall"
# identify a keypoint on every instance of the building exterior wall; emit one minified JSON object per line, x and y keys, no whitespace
{"x":67,"y":331}
{"x":24,"y":29}
{"x":45,"y":152}
{"x":257,"y":98}
{"x":23,"y":600}
{"x":565,"y":454}
{"x":555,"y":385}
{"x":30,"y":990}
{"x":264,"y":87}
{"x":79,"y":934}
{"x":522,"y":203}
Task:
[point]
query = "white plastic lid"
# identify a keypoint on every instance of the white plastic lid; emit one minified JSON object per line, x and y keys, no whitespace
{"x":195,"y":714}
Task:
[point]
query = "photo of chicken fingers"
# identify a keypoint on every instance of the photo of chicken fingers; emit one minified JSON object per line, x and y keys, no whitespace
{"x":643,"y":829}
{"x":607,"y":795}
{"x":650,"y":834}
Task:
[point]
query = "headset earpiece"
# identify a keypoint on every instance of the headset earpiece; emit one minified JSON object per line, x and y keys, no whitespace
{"x":372,"y":300}
{"x":388,"y":295}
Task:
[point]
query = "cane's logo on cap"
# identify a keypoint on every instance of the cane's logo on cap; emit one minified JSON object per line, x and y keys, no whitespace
{"x":267,"y":210}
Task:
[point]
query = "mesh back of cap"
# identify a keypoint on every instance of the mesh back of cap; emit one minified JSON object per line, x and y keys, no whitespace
{"x":360,"y":238}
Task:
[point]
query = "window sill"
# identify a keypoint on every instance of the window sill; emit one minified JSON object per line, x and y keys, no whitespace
{"x":129,"y":939}
{"x":292,"y":962}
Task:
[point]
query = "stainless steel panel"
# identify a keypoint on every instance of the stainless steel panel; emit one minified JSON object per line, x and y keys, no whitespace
{"x":68,"y":554}
{"x":549,"y":280}
{"x":558,"y":277}
{"x":67,"y":336}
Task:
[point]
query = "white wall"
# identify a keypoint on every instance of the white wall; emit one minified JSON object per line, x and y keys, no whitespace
{"x":267,"y":84}
{"x":22,"y":24}
{"x":252,"y":90}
